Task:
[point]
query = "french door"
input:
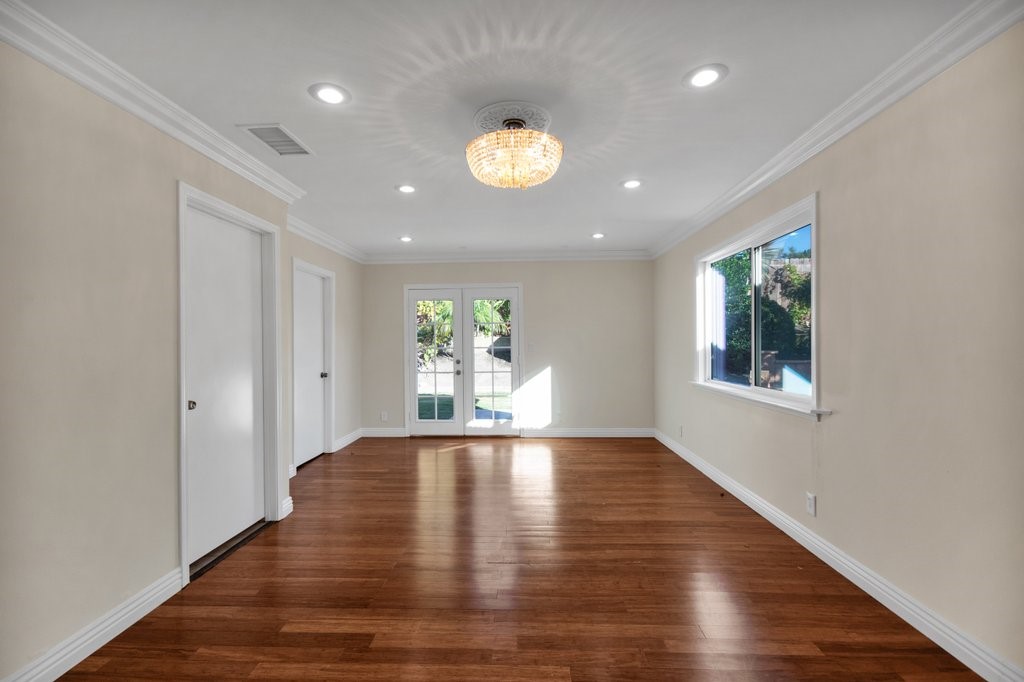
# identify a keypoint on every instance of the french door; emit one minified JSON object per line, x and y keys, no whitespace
{"x":462,"y":360}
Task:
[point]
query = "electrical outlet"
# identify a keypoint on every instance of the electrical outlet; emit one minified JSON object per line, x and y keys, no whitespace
{"x":812,"y":504}
{"x":383,"y":415}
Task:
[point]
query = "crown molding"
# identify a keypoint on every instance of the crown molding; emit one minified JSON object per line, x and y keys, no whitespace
{"x":976,"y":25}
{"x":30,"y":32}
{"x":332,"y":243}
{"x":507,"y":257}
{"x":321,"y":238}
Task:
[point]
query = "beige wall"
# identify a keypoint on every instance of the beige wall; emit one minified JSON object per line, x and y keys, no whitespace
{"x":919,"y":472}
{"x":89,"y":352}
{"x":347,"y":332}
{"x":590,"y":322}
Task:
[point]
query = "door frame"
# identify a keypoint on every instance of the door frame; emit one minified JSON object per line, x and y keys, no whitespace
{"x":327,"y":279}
{"x":409,"y":369}
{"x":277,"y":503}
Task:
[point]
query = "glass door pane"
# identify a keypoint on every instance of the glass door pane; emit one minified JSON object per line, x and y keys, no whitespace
{"x":489,"y":330}
{"x":463,"y":367}
{"x":437,"y":374}
{"x":435,"y":389}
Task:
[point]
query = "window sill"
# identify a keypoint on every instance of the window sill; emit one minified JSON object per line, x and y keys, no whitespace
{"x":780,"y":403}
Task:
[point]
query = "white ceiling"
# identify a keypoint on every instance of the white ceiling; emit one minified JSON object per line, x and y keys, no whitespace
{"x":609,"y":72}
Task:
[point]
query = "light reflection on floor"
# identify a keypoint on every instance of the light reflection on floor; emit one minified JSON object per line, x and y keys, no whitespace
{"x":500,"y":489}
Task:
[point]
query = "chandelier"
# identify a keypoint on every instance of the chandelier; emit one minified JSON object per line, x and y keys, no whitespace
{"x":514,"y":150}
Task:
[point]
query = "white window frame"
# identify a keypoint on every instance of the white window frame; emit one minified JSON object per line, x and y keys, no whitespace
{"x":803,"y":212}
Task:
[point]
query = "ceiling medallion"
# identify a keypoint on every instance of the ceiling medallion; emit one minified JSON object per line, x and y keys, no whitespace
{"x":515,"y":149}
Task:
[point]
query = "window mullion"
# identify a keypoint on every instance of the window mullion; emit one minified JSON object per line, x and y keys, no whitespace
{"x":755,"y":323}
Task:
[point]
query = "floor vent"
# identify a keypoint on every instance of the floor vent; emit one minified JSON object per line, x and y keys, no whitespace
{"x":277,"y":138}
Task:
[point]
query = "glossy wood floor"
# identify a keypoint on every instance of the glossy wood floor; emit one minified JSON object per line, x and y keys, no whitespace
{"x":507,"y":559}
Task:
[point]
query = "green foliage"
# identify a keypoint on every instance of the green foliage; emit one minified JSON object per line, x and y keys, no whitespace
{"x":785,"y":309}
{"x":434,"y":325}
{"x":777,"y":331}
{"x":786,"y":325}
{"x":493,"y":316}
{"x":433,"y":330}
{"x":504,"y":310}
{"x":796,"y":288}
{"x":736,"y":271}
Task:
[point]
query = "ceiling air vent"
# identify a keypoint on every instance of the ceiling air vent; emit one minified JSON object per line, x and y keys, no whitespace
{"x":277,"y":138}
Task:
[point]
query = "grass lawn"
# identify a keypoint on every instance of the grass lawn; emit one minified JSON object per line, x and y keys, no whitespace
{"x":446,"y":405}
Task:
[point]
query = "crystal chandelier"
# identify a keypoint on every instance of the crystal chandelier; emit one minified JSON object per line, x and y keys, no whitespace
{"x":518,"y":154}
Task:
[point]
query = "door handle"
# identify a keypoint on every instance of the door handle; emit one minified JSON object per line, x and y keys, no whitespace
{"x":191,"y":404}
{"x":323,"y":375}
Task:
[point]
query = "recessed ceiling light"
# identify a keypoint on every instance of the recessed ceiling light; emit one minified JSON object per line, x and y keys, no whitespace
{"x":405,"y":239}
{"x":631,"y":184}
{"x":406,"y":189}
{"x":598,"y":235}
{"x":707,"y":75}
{"x":328,"y":93}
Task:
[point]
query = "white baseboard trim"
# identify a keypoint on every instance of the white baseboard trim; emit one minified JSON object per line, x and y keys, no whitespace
{"x":287,"y":507}
{"x":970,"y":652}
{"x":383,"y":433}
{"x":292,"y":470}
{"x":526,"y":433}
{"x":345,"y":441}
{"x":89,"y":639}
{"x":587,"y":433}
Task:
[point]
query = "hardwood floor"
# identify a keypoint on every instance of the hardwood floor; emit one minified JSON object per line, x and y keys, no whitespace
{"x":508,"y":559}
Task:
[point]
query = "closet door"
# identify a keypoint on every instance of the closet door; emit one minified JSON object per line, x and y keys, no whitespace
{"x":309,"y":369}
{"x":223,"y":331}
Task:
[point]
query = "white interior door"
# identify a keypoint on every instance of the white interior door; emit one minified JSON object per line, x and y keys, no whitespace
{"x":310,"y":367}
{"x":463,"y":360}
{"x":223,"y":380}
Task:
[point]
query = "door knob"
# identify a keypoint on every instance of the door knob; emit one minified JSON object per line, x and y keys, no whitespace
{"x":323,"y":375}
{"x":191,"y":404}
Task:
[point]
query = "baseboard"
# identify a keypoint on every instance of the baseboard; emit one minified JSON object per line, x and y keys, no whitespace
{"x":383,"y":433}
{"x":526,"y":433}
{"x":89,"y":639}
{"x":970,"y":652}
{"x":587,"y":433}
{"x":287,"y":507}
{"x":292,"y":470}
{"x":345,"y":441}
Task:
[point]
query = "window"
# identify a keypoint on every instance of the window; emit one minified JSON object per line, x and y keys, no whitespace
{"x":758,"y":312}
